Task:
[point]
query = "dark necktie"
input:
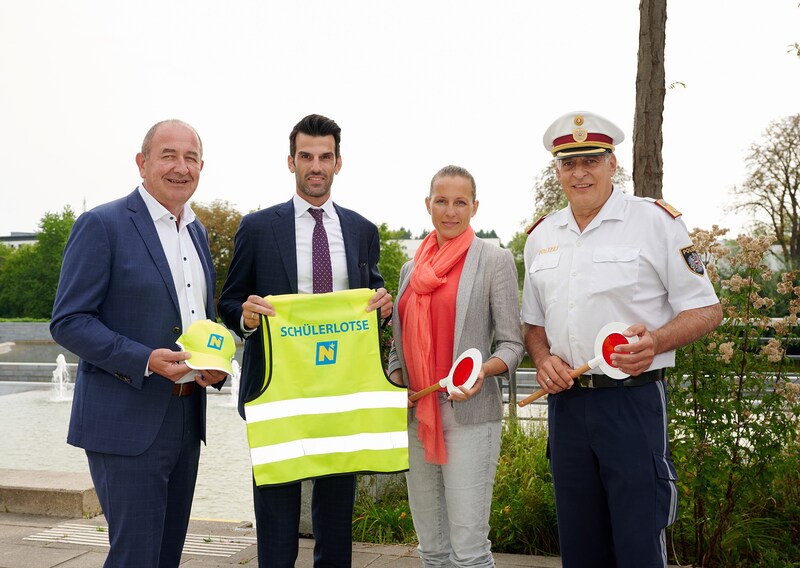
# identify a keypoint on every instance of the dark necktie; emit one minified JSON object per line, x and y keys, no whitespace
{"x":320,"y":255}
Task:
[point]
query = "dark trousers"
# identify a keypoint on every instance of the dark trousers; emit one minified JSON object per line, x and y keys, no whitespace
{"x":147,"y":499}
{"x":613,"y":478}
{"x":277,"y":509}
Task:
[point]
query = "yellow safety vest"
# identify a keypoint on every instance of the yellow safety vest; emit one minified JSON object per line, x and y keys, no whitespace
{"x":326,"y":406}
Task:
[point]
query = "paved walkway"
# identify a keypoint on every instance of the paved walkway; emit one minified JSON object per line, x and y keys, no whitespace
{"x":31,"y":541}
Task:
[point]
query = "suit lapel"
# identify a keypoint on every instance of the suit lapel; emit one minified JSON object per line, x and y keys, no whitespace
{"x":208,"y":267}
{"x":147,"y":231}
{"x":465,"y":284}
{"x":350,"y":237}
{"x":283,"y":229}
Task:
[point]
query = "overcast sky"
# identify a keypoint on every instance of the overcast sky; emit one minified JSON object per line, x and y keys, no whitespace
{"x":415,"y":85}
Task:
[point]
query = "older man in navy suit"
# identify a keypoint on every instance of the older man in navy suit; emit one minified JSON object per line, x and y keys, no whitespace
{"x":137,"y":272}
{"x":273,"y":254}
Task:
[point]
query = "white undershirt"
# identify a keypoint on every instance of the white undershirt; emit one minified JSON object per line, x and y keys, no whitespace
{"x":184,"y":262}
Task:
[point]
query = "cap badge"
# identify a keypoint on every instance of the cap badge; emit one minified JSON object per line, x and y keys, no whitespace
{"x":579,"y":134}
{"x":578,"y":120}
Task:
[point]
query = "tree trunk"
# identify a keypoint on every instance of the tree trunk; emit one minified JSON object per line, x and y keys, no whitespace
{"x":648,"y":166}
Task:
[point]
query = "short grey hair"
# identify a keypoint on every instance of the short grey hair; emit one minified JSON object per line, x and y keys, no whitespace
{"x":148,"y":138}
{"x":455,"y":171}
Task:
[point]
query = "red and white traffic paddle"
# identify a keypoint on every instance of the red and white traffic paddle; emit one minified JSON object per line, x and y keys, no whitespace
{"x":609,"y":337}
{"x":463,"y":373}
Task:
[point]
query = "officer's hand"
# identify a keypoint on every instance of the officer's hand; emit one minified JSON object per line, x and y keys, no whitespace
{"x":635,"y":358}
{"x":169,"y":364}
{"x":253,"y":308}
{"x":553,"y":375}
{"x":381,"y":300}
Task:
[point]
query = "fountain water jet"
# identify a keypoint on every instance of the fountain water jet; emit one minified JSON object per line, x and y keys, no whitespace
{"x":62,"y":385}
{"x":235,"y":380}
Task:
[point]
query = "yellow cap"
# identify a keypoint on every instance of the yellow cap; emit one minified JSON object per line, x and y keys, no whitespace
{"x":210,"y":344}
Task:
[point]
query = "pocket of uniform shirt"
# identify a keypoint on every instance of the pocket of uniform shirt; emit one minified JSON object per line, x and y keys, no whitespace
{"x":545,"y":261}
{"x":615,"y":270}
{"x":544,"y":276}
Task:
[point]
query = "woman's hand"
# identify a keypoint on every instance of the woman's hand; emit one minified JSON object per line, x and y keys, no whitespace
{"x":463,"y":394}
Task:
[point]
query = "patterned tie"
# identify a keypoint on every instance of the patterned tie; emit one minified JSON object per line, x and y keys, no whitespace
{"x":320,"y":255}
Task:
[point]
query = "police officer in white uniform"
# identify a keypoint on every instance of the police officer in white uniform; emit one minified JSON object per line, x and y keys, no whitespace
{"x":610,"y":257}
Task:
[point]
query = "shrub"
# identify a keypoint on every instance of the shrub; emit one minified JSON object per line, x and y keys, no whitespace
{"x":523,"y":517}
{"x":734,"y":411}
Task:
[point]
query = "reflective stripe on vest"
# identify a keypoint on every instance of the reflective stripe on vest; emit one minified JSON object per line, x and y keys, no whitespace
{"x":326,"y":406}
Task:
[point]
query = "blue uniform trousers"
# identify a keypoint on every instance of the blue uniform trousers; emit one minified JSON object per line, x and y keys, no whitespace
{"x":614,"y":481}
{"x":147,"y":499}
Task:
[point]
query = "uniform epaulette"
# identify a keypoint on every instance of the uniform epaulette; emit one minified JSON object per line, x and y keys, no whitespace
{"x":674,"y":213}
{"x":532,"y":227}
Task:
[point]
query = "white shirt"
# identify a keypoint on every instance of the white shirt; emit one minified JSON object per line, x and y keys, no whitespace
{"x":184,"y":262}
{"x":631,"y":264}
{"x":304,"y":225}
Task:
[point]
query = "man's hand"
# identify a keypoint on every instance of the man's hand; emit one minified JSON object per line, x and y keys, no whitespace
{"x":169,"y":364}
{"x":252,"y":310}
{"x":635,"y":358}
{"x":381,"y":300}
{"x":209,"y":377}
{"x":553,"y":375}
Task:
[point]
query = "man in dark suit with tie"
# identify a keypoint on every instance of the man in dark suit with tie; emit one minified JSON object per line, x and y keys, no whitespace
{"x":136,"y":273}
{"x":306,"y":245}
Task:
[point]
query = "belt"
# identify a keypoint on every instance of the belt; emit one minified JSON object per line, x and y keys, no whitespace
{"x":183,"y":389}
{"x":604,"y":381}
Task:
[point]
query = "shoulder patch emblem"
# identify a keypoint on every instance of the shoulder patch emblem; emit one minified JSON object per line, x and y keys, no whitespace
{"x":692,"y":260}
{"x":542,"y":218}
{"x":674,"y":213}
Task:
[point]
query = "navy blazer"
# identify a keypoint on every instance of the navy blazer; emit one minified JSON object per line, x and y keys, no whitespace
{"x":265,"y":262}
{"x":116,"y":303}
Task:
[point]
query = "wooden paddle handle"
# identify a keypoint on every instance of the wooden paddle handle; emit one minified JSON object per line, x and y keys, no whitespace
{"x":419,"y":394}
{"x":541,"y":392}
{"x":531,"y":397}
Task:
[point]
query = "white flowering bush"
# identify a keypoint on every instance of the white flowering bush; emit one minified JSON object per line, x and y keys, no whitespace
{"x":735,"y":405}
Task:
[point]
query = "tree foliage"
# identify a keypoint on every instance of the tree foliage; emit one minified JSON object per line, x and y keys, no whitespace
{"x":517,"y":247}
{"x":393,"y":257}
{"x":221,"y":220}
{"x":771,"y":191}
{"x":399,"y":234}
{"x":29,"y":274}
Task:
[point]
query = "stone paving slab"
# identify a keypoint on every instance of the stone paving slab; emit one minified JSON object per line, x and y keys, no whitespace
{"x":17,"y":550}
{"x":76,"y":543}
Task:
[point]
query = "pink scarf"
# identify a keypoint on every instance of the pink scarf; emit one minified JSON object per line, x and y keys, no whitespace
{"x":431,"y":265}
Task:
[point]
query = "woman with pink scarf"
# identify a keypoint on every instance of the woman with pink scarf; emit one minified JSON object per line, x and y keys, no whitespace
{"x":459,"y":292}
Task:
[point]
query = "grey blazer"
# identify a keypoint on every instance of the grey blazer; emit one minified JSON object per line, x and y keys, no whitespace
{"x":487,"y":308}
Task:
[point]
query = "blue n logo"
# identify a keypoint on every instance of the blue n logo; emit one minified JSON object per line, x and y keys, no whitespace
{"x":215,"y":341}
{"x":326,"y":352}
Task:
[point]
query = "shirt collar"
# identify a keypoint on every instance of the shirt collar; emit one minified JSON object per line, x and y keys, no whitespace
{"x":158,"y":211}
{"x":301,"y":206}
